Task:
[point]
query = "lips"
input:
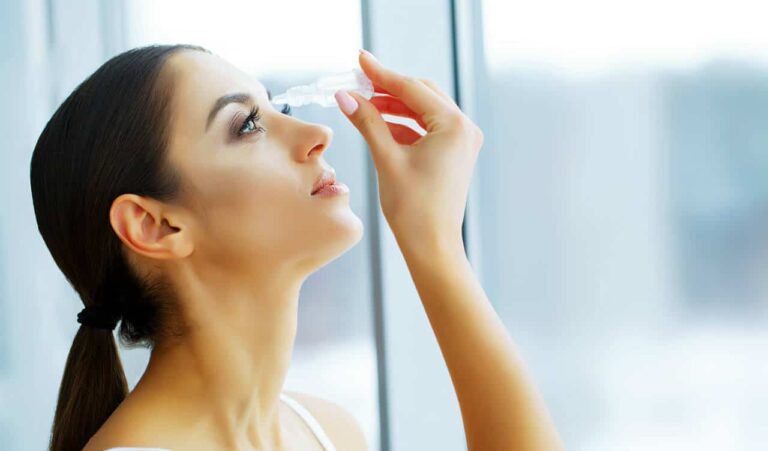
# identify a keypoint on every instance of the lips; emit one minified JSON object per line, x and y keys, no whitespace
{"x":326,"y":178}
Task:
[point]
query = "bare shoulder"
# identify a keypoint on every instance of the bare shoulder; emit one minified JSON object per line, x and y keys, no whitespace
{"x":130,"y":425}
{"x":342,"y":427}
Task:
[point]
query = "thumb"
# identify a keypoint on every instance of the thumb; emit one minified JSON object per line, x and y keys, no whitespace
{"x":367,"y":119}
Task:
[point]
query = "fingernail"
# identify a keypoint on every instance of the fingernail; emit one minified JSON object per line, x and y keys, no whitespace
{"x":346,"y":102}
{"x":368,"y":53}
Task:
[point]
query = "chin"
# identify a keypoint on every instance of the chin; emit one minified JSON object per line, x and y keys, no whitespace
{"x":345,"y":236}
{"x":359,"y":231}
{"x":350,"y":233}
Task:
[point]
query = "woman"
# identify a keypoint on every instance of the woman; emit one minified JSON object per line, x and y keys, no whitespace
{"x":179,"y":202}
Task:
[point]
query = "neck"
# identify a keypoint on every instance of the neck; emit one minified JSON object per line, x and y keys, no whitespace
{"x":227,"y":371}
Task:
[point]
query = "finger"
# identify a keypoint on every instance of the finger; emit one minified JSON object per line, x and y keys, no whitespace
{"x":402,"y":133}
{"x":426,"y":103}
{"x":433,"y":86}
{"x":367,"y":119}
{"x":430,"y":84}
{"x":395,"y":107}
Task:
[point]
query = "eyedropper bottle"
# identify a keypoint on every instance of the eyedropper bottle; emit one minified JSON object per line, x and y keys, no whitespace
{"x":322,"y":90}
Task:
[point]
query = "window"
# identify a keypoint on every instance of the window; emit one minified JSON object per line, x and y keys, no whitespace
{"x":622,"y":197}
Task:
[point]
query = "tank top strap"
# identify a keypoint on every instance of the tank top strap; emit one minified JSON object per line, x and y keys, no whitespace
{"x":310,"y":420}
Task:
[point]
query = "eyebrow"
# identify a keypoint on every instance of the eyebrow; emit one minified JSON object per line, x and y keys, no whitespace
{"x":237,"y":97}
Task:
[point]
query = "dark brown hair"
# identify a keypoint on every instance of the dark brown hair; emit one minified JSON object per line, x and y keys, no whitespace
{"x":107,"y":138}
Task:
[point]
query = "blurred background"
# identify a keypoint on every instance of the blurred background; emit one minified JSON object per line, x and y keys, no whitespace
{"x":617,"y":216}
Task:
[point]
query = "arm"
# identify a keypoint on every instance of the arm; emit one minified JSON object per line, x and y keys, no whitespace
{"x":500,"y":407}
{"x":423,"y":187}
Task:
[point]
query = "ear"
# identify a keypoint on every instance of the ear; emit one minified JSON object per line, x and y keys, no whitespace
{"x":149,"y":227}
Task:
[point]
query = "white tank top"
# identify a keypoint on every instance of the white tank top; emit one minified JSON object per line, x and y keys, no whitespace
{"x":322,"y":437}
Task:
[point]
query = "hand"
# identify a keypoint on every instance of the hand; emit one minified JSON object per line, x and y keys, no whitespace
{"x":423,"y":180}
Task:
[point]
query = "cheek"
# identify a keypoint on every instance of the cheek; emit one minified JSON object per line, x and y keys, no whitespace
{"x":252,"y":210}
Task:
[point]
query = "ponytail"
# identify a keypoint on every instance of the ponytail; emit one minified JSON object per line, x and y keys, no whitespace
{"x":92,"y":387}
{"x":108,"y":137}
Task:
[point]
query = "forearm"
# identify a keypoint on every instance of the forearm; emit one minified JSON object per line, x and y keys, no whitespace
{"x":500,"y":407}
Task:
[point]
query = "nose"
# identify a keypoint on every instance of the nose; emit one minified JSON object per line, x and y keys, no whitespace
{"x":312,"y":140}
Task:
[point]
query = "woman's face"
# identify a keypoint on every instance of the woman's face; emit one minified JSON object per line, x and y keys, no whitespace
{"x":247,"y":191}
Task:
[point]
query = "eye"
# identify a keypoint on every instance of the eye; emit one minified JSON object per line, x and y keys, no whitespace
{"x":250,"y":124}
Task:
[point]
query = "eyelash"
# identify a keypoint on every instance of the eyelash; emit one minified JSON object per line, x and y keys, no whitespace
{"x":255,"y":116}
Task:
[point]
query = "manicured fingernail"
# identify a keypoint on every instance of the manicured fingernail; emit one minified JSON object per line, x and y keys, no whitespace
{"x":368,"y":53}
{"x":346,"y":102}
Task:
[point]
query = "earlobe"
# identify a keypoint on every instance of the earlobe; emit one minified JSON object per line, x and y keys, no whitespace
{"x":140,"y":225}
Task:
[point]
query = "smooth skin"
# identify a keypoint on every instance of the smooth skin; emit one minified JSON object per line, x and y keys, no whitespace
{"x":245,"y":234}
{"x":423,"y":185}
{"x":236,"y":246}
